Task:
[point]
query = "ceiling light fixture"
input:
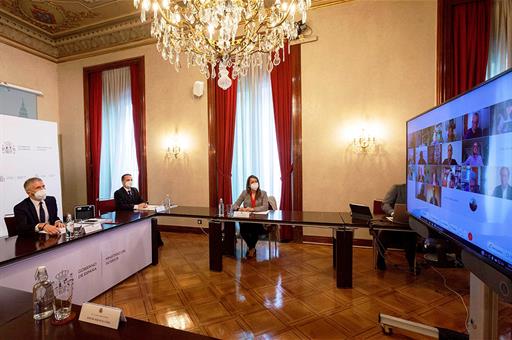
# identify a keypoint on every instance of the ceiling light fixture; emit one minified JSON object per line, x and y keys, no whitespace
{"x":235,"y":34}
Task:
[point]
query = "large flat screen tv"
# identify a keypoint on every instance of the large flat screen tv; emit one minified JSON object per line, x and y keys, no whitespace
{"x":459,"y":164}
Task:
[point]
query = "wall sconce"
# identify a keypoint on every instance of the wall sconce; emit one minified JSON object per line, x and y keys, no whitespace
{"x":364,"y":143}
{"x":173,"y":151}
{"x":176,"y":146}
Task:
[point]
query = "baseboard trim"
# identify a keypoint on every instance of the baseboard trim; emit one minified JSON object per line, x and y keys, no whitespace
{"x":360,"y":242}
{"x":182,"y":229}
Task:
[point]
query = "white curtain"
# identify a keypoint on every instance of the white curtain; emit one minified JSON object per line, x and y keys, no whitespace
{"x":118,"y":154}
{"x":500,"y":47}
{"x":255,"y":146}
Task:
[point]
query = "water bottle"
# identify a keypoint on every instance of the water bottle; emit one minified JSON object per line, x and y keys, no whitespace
{"x":42,"y":295}
{"x":70,"y":226}
{"x":221,"y":207}
{"x":167,"y":202}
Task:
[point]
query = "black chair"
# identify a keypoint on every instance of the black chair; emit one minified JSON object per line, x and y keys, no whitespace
{"x":84,"y":212}
{"x":10,"y":222}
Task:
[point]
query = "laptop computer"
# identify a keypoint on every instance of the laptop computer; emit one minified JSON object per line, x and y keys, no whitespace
{"x":360,"y":212}
{"x":400,"y":214}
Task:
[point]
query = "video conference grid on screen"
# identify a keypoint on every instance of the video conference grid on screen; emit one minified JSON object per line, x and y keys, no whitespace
{"x":459,"y":166}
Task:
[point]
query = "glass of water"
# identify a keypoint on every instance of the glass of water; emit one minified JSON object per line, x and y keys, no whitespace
{"x":63,"y":292}
{"x":229,"y":210}
{"x":77,"y":230}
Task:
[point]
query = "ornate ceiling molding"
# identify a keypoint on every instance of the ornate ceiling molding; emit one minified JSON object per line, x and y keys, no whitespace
{"x":121,"y":32}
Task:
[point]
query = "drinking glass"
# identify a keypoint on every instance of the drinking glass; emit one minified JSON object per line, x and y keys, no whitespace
{"x":63,"y":292}
{"x":77,"y":228}
{"x":229,"y":210}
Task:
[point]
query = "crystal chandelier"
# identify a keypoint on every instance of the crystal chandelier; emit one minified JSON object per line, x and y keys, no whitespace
{"x":228,"y":33}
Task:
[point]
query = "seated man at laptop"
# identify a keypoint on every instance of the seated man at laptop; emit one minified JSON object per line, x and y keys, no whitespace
{"x":38,"y":212}
{"x":396,"y":195}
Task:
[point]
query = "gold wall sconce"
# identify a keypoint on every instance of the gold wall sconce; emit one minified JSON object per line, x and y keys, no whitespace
{"x":364,"y":142}
{"x":173,"y":151}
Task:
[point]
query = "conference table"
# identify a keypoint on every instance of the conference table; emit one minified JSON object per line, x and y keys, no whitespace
{"x":220,"y":226}
{"x":97,"y":261}
{"x":16,"y":322}
{"x":128,"y":243}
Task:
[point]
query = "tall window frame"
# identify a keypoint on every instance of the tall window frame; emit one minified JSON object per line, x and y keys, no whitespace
{"x":296,"y":140}
{"x":140,"y":141}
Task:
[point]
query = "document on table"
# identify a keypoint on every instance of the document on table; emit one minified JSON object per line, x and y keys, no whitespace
{"x":152,"y":207}
{"x":244,"y":214}
{"x":98,"y":220}
{"x":260,"y":212}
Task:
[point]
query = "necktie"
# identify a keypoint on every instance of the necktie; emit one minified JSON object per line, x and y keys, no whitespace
{"x":130,"y":193}
{"x":42,"y":215}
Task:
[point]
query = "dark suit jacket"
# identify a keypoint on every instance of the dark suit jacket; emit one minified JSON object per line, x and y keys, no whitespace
{"x":498,"y":192}
{"x":26,"y":214}
{"x":449,"y":162}
{"x":125,"y":202}
{"x":397,"y":194}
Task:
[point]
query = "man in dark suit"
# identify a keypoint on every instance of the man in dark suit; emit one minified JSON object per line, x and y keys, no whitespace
{"x":127,"y":197}
{"x":504,"y":190}
{"x":37,"y":212}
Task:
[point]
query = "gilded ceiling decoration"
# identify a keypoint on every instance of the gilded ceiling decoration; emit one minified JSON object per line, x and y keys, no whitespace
{"x":61,"y":30}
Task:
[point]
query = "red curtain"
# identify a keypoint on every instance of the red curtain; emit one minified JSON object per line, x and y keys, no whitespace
{"x":225,"y":111}
{"x":281,"y":78}
{"x":464,"y":34}
{"x":137,"y":104}
{"x":95,"y":107}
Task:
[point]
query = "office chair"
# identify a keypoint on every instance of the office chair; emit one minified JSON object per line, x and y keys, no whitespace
{"x":105,"y":206}
{"x":84,"y":212}
{"x":10,"y":223}
{"x":272,"y":233}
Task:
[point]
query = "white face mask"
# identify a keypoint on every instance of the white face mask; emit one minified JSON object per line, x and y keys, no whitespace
{"x":128,"y":184}
{"x":254,"y":186}
{"x":40,"y":195}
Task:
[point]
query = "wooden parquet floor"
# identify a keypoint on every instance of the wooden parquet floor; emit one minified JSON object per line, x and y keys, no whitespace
{"x":293,"y":296}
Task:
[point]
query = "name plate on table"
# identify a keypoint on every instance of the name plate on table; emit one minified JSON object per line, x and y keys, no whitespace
{"x":92,"y":228}
{"x":244,"y":214}
{"x":100,"y":315}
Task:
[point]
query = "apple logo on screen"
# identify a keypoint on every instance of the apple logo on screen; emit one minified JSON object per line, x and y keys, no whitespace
{"x":472,"y":204}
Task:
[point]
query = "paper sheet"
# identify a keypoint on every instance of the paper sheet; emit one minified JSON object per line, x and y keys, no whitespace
{"x":151,"y":207}
{"x":261,"y":212}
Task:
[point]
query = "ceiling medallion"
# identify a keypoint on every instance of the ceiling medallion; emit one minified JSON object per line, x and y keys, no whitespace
{"x":235,"y":34}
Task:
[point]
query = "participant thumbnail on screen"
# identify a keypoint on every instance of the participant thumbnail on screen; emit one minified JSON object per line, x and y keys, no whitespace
{"x":452,"y":130}
{"x":501,"y":114}
{"x":475,"y":152}
{"x":476,"y":124}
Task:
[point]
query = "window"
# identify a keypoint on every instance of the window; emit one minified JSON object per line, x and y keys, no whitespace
{"x":118,"y":153}
{"x":114,"y":127}
{"x":255,"y":146}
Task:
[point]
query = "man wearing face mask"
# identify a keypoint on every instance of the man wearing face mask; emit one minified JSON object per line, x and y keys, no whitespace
{"x":37,"y":212}
{"x":127,"y":197}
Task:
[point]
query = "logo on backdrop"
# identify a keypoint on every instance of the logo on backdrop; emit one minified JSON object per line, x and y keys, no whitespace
{"x":63,"y":284}
{"x":8,"y":148}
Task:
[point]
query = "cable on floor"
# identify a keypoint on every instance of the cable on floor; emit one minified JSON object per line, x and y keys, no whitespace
{"x":456,"y":293}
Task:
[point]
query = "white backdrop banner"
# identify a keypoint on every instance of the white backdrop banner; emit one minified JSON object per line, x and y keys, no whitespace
{"x":29,"y":148}
{"x":96,"y":263}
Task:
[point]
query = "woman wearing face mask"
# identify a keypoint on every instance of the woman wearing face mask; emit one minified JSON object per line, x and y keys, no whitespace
{"x":253,"y":199}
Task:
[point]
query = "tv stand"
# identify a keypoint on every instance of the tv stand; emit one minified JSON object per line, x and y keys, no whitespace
{"x":482,"y":323}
